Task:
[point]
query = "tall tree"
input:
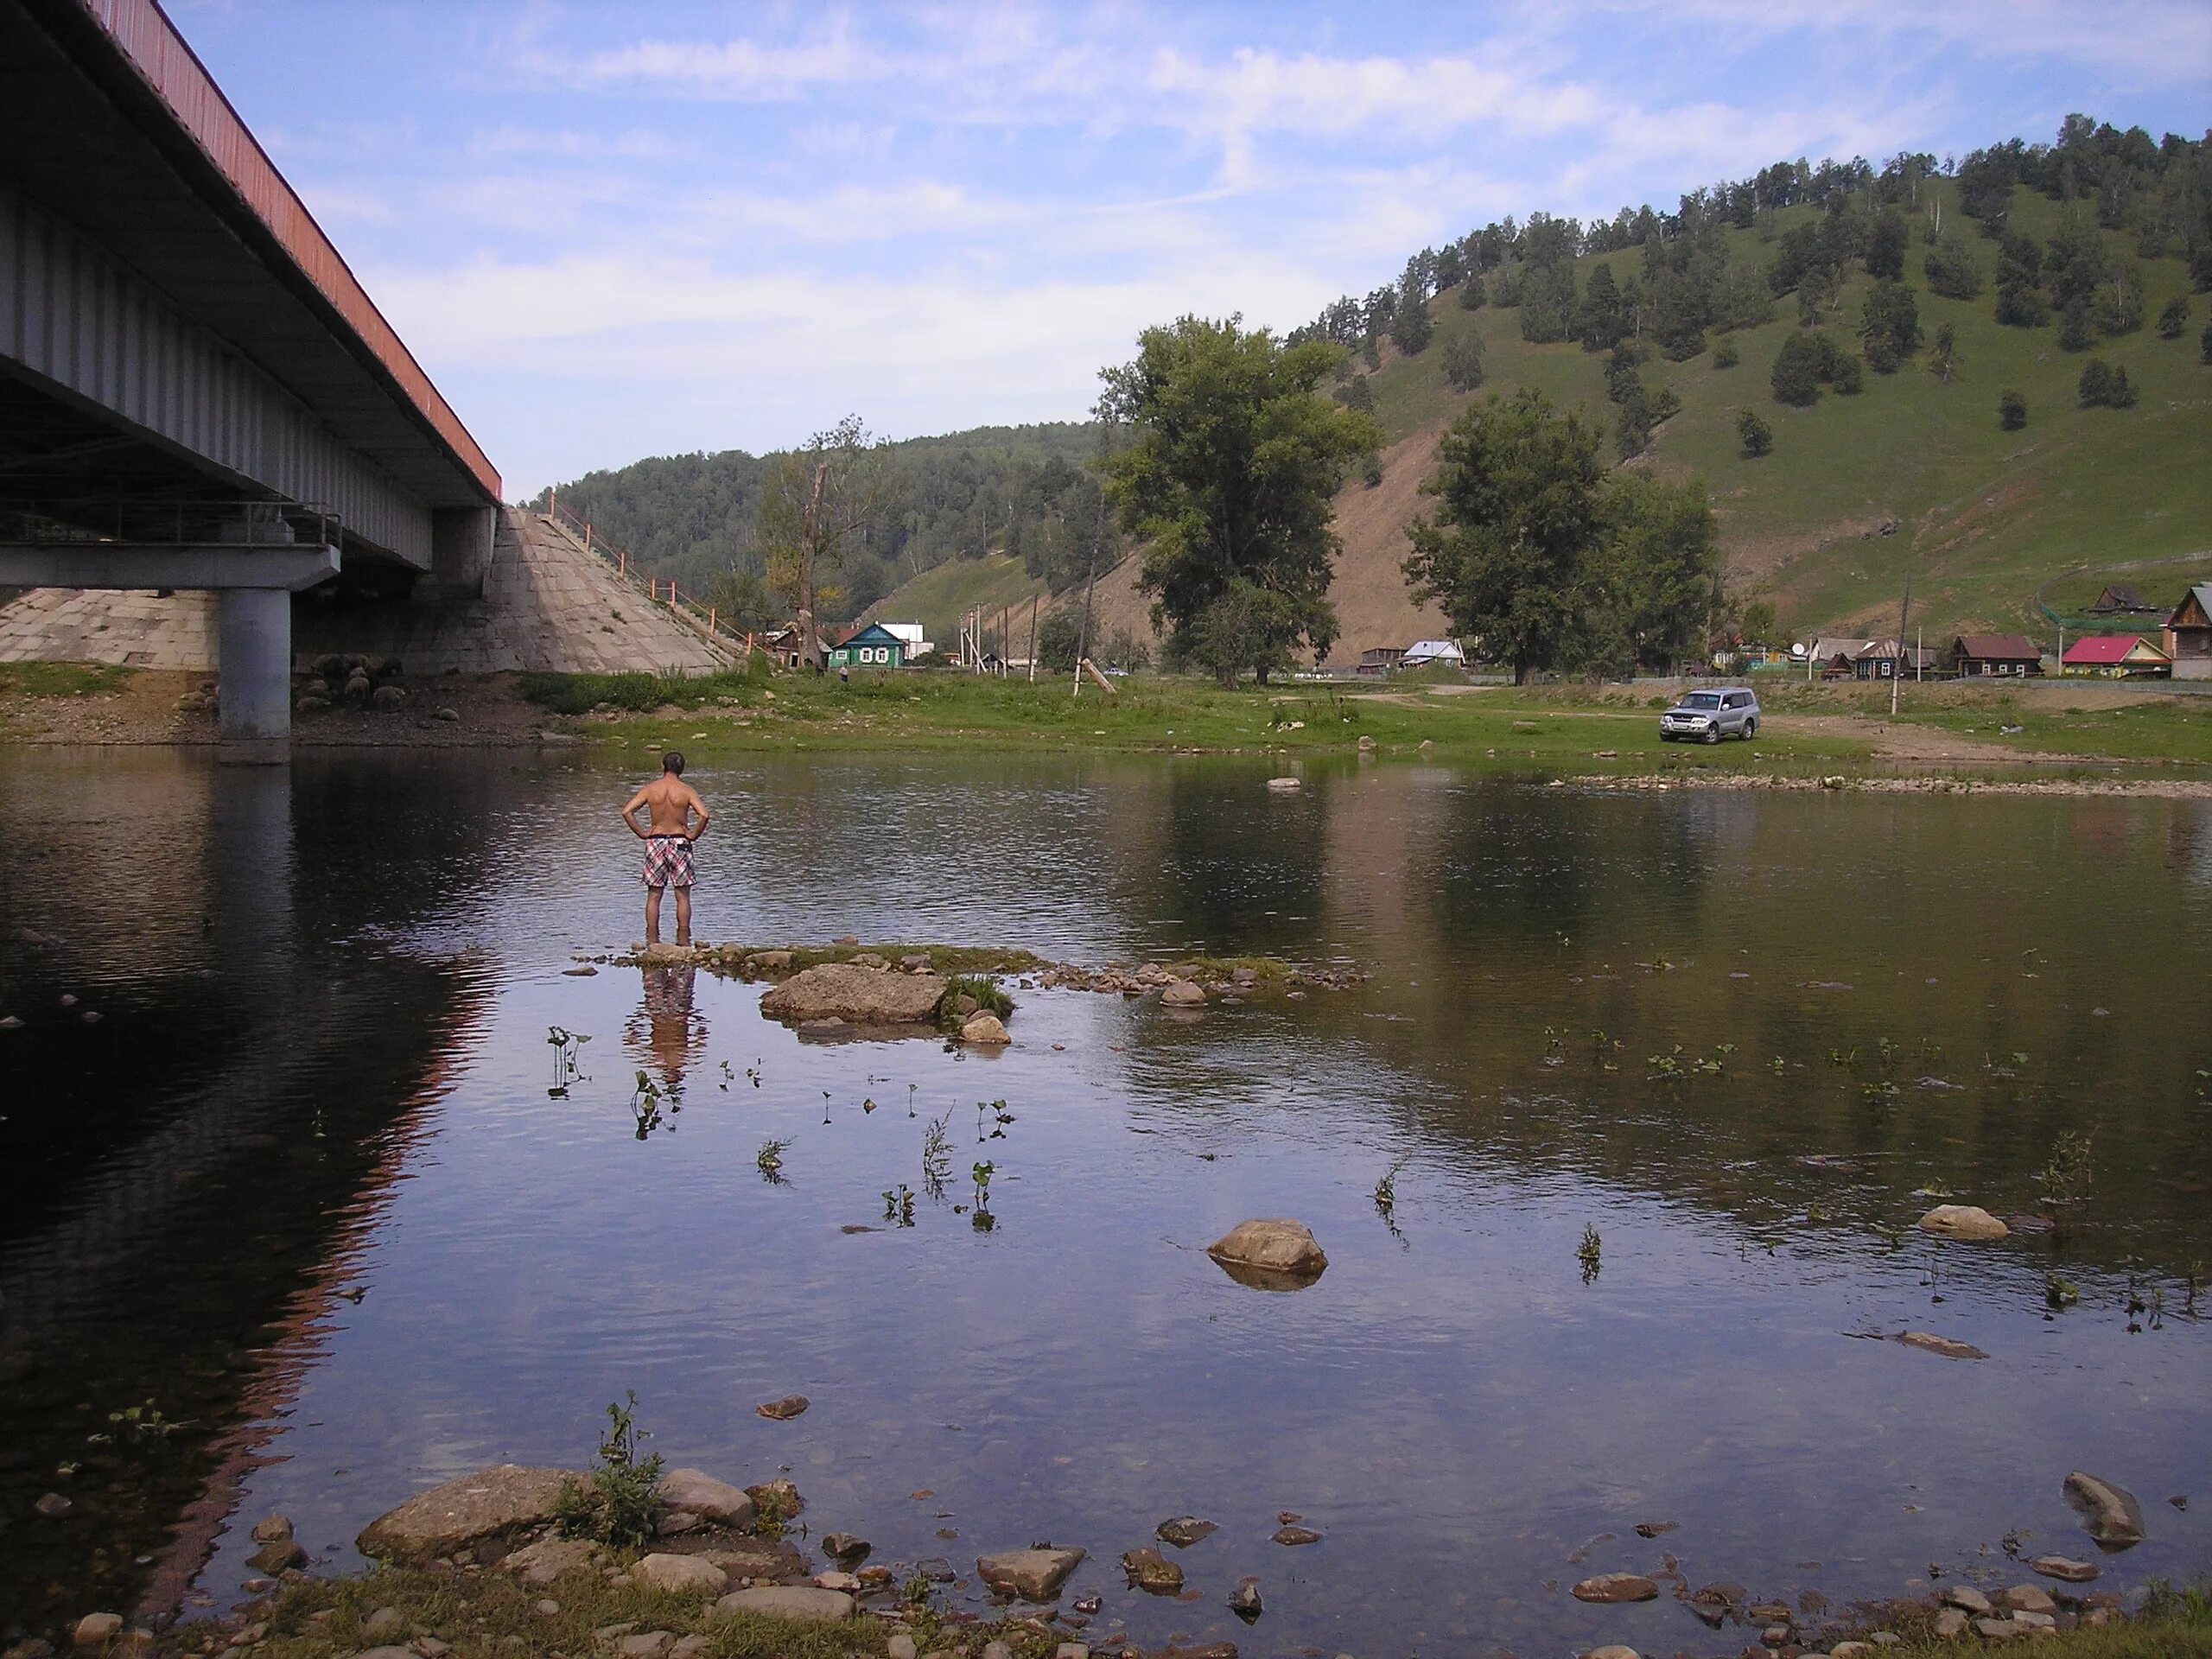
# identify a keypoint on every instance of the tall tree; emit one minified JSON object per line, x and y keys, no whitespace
{"x":812,"y":501}
{"x":1236,"y":457}
{"x":1518,"y":511}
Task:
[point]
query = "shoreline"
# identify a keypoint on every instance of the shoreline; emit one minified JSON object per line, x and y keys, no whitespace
{"x":510,"y":1560}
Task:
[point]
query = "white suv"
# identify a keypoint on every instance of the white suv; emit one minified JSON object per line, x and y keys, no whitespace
{"x":1708,"y":717}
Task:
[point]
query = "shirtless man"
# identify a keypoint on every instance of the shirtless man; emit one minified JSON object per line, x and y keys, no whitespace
{"x":669,"y":803}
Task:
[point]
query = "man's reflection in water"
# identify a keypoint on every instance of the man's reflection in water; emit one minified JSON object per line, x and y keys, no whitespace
{"x":667,"y":1036}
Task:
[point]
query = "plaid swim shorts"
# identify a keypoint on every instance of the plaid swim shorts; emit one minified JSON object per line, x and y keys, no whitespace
{"x":668,"y":861}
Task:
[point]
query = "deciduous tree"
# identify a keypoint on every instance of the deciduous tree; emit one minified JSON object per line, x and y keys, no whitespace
{"x":1236,"y":458}
{"x":811,"y":503}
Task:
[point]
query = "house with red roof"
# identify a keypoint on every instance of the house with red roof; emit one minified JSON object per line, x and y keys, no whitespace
{"x":2116,"y":656}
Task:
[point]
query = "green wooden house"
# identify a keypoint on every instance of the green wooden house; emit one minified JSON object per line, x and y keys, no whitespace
{"x":873,"y":646}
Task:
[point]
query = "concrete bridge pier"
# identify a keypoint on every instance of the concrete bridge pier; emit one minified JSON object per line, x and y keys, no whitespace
{"x":253,"y":722}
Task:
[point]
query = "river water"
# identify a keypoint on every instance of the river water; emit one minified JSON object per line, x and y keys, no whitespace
{"x":295,"y":1223}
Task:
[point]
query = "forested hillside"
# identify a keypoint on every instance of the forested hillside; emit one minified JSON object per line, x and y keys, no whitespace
{"x":1991,"y":374}
{"x":1027,"y":491}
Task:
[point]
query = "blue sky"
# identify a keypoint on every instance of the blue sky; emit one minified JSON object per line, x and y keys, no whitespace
{"x":614,"y":230}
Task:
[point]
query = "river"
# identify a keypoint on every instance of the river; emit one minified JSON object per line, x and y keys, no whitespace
{"x":295,"y":1223}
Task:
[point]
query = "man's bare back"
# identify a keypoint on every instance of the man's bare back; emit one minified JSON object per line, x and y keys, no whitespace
{"x":670,"y":805}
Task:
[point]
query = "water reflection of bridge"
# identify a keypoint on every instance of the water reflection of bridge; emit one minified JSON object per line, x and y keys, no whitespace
{"x":186,"y":1182}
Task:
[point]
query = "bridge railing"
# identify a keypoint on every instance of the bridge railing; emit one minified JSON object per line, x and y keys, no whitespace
{"x":703,"y":620}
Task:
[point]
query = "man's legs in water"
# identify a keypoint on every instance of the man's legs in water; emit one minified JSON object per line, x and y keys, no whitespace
{"x":682,"y":914}
{"x":653,"y":914}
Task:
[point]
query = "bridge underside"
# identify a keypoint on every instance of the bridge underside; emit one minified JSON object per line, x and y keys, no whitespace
{"x":195,"y":392}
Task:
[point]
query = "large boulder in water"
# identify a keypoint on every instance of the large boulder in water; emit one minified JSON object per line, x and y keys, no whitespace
{"x":1270,"y":1254}
{"x":491,"y":1503}
{"x":1033,"y":1574}
{"x":860,"y":996}
{"x":2109,"y":1513}
{"x":1963,"y":1221}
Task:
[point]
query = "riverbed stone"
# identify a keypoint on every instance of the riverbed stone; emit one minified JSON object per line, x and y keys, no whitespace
{"x":489,"y":1504}
{"x":271,"y":1528}
{"x":711,"y":1500}
{"x":758,"y":1558}
{"x":984,"y":1030}
{"x":93,"y":1629}
{"x":1612,"y":1650}
{"x":901,"y":1646}
{"x":1617,"y":1587}
{"x":1270,"y":1254}
{"x":1031,"y":1574}
{"x":690,"y":1575}
{"x":1182,"y":994}
{"x":277,"y":1555}
{"x":1950,"y":1624}
{"x":548,"y":1558}
{"x":800,"y":1601}
{"x":2026,"y":1598}
{"x":2065,"y":1567}
{"x":1949,"y":1347}
{"x":646,"y":1644}
{"x":1150,"y":1571}
{"x":1244,"y":1601}
{"x":2109,"y":1513}
{"x":1295,"y":1535}
{"x":1998,"y":1630}
{"x":864,"y":996}
{"x":1967,"y":1599}
{"x":783,"y":1410}
{"x":1184,"y":1530}
{"x":1966,"y":1221}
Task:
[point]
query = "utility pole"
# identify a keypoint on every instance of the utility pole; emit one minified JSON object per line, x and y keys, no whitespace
{"x":1032,"y":639}
{"x":1904,"y":616}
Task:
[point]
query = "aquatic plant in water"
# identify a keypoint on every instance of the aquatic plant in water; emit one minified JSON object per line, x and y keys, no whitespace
{"x":1590,"y":1252}
{"x":982,"y":1220}
{"x":564,"y":1045}
{"x":937,"y":1155}
{"x":645,"y":1105}
{"x":899,"y":1205}
{"x":769,"y":1160}
{"x":2059,"y":1292}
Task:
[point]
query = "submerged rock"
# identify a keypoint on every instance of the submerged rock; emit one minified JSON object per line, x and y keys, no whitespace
{"x":1184,"y":1530}
{"x":1617,"y":1587}
{"x":865,"y":996}
{"x":1182,"y":994}
{"x":2109,"y":1513}
{"x":1949,"y":1347}
{"x":1150,"y":1571}
{"x":1244,"y":1601}
{"x":2064,"y":1568}
{"x":785,"y":1409}
{"x":489,"y":1504}
{"x":1296,"y":1535}
{"x":1031,"y":1574}
{"x":1270,"y":1254}
{"x":1967,"y":1221}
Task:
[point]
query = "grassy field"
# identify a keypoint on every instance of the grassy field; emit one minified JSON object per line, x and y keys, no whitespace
{"x":939,"y":598}
{"x":1579,"y":729}
{"x":59,"y":679}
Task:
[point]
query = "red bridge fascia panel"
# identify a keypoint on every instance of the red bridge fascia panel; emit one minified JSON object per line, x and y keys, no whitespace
{"x":146,"y":37}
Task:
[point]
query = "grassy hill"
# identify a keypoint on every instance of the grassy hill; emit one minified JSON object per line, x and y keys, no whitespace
{"x":1986,"y":518}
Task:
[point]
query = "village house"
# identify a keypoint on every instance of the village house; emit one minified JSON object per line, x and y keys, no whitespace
{"x":1881,"y":660}
{"x":2116,"y":657}
{"x":873,"y":646}
{"x":1834,"y":657}
{"x":1422,"y":653}
{"x":1379,"y":660}
{"x":1994,"y":655}
{"x":2120,"y":600}
{"x":2189,"y":634}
